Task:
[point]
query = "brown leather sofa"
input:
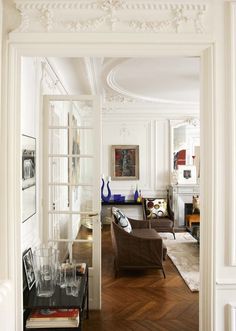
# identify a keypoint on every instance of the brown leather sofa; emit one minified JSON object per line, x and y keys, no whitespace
{"x":142,"y":248}
{"x":159,"y":223}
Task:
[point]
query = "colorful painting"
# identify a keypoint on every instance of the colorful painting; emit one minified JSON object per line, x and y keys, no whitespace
{"x":125,"y":162}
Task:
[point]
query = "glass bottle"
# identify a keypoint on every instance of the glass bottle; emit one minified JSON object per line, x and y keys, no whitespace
{"x":139,"y":197}
{"x":63,"y":268}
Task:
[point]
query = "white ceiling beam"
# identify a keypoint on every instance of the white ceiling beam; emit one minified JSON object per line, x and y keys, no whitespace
{"x":93,"y":69}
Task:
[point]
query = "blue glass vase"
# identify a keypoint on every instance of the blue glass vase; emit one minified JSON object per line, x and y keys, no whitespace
{"x":108,"y":196}
{"x":136,"y":195}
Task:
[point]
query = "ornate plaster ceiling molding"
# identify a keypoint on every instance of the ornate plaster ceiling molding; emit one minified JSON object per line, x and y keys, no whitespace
{"x":154,"y":109}
{"x":112,"y":15}
{"x":194,"y":122}
{"x":150,"y":75}
{"x":119,"y":98}
{"x":49,"y":79}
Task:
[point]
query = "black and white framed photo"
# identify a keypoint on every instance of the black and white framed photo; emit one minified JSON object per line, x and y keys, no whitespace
{"x":187,"y":174}
{"x":29,"y":268}
{"x":28,"y":177}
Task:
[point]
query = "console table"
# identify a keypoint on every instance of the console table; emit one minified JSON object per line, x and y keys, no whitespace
{"x":59,"y":300}
{"x":131,"y":209}
{"x":124,"y":203}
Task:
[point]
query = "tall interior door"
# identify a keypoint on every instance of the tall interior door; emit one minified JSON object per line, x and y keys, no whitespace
{"x":71,"y":183}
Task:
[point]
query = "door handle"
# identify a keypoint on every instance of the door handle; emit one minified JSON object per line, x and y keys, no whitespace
{"x":93,"y":214}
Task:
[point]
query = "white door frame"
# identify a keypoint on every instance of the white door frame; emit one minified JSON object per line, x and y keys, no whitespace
{"x":95,"y":268}
{"x":90,"y":45}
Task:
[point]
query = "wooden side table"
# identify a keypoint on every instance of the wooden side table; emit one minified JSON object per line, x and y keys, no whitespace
{"x":193,"y":218}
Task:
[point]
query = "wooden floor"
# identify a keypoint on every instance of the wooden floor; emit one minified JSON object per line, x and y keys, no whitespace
{"x":140,"y":301}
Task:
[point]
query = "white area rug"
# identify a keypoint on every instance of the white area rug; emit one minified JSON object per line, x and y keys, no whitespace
{"x":184,"y":253}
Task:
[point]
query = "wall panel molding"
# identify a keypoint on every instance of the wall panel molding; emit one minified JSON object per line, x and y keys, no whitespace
{"x":113,"y":16}
{"x":148,"y":184}
{"x":226,"y":284}
{"x":164,"y":153}
{"x":140,"y":131}
{"x":6,"y":294}
{"x":231,"y":210}
{"x":230,"y":313}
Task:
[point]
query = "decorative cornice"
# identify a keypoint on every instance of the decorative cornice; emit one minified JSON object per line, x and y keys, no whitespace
{"x":119,"y":98}
{"x":110,"y":4}
{"x":49,"y":80}
{"x":107,"y":5}
{"x":194,"y":122}
{"x":111,"y":15}
{"x":173,"y":24}
{"x":160,"y":110}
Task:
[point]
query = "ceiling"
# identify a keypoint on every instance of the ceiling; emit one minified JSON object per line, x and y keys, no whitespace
{"x":153,"y":81}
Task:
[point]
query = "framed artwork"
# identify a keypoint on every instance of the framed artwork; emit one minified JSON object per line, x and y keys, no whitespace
{"x":187,"y":174}
{"x":28,"y":177}
{"x":28,"y":265}
{"x":125,"y":162}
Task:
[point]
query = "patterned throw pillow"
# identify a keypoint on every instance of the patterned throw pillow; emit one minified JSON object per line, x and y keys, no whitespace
{"x":156,"y":208}
{"x":121,"y":219}
{"x":196,"y":205}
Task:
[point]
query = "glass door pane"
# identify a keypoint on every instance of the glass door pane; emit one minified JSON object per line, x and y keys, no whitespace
{"x":72,"y":180}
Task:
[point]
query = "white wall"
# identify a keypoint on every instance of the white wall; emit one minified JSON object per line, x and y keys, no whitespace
{"x":151,"y":133}
{"x":37,"y":79}
{"x":29,"y":126}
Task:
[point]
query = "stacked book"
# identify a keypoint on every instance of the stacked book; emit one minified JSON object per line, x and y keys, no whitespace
{"x":53,"y":318}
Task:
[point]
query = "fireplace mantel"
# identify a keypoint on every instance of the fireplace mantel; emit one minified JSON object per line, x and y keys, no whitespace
{"x":179,"y":195}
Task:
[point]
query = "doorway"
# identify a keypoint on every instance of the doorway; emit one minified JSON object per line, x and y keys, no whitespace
{"x":142,"y":98}
{"x":125,"y":50}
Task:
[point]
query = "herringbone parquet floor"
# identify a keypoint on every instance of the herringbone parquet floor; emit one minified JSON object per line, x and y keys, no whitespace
{"x":140,"y":301}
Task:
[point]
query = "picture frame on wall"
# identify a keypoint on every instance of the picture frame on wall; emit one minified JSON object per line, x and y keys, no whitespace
{"x":28,"y":177}
{"x":125,"y":162}
{"x":187,"y":174}
{"x":28,"y":267}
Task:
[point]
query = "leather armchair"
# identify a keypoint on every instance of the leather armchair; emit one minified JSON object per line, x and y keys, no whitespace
{"x":142,"y":248}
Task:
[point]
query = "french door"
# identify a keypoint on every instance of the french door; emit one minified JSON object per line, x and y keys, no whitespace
{"x":71,"y":182}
